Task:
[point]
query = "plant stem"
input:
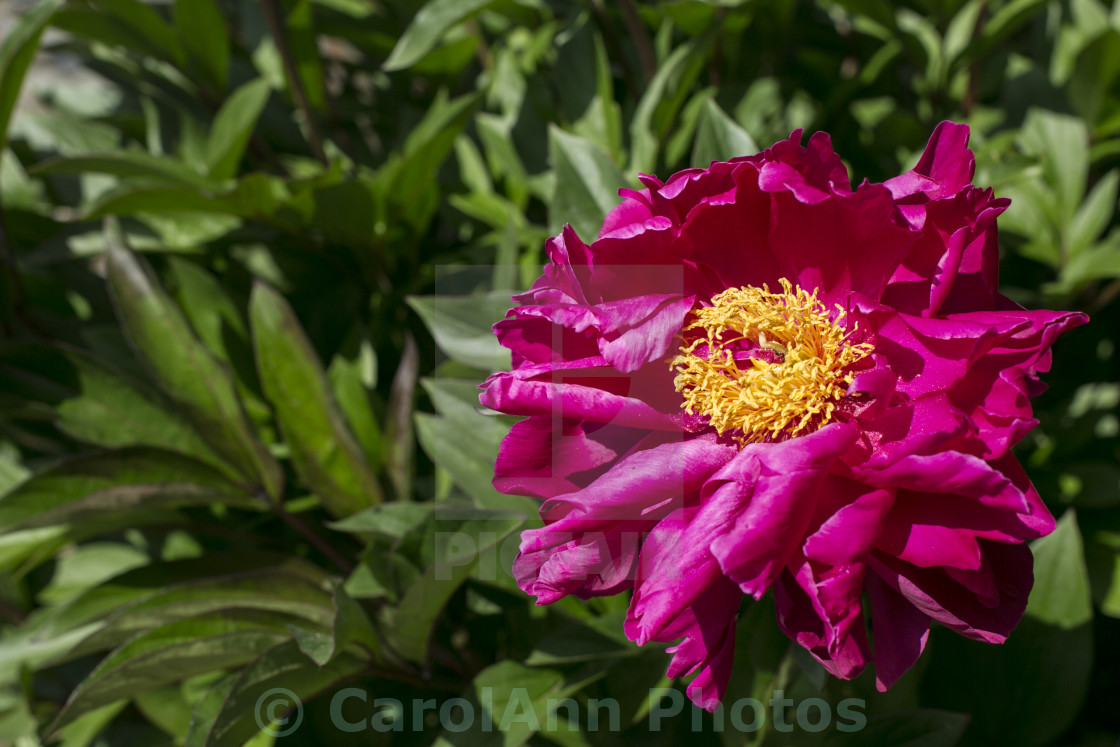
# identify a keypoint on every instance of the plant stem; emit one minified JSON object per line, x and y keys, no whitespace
{"x":275,"y":21}
{"x":641,"y":38}
{"x":312,"y":538}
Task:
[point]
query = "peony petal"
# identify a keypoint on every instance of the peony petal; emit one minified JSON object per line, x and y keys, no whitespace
{"x":589,"y":540}
{"x":641,"y":330}
{"x":949,"y":472}
{"x":825,"y":618}
{"x":851,"y":242}
{"x":945,"y":168}
{"x":852,"y":531}
{"x":587,"y":389}
{"x":634,"y":208}
{"x":900,"y":631}
{"x":945,"y":600}
{"x":761,"y":503}
{"x":729,"y":234}
{"x":644,"y":481}
{"x":811,"y":174}
{"x":538,"y":457}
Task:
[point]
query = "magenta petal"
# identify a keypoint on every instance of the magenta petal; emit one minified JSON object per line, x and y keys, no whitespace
{"x":823,"y":616}
{"x":1037,"y":518}
{"x":950,"y":472}
{"x":674,"y":569}
{"x":954,"y":264}
{"x":987,"y":363}
{"x":645,"y":481}
{"x":634,"y":208}
{"x":729,"y":234}
{"x":753,"y":512}
{"x":585,"y":563}
{"x":707,"y":627}
{"x":769,"y":491}
{"x":538,"y":459}
{"x":924,"y":426}
{"x":852,"y":531}
{"x":945,"y":168}
{"x":944,"y":599}
{"x":929,"y":546}
{"x":811,"y":174}
{"x":641,"y":330}
{"x":590,"y":535}
{"x":848,"y":243}
{"x":899,"y":629}
{"x":579,"y":390}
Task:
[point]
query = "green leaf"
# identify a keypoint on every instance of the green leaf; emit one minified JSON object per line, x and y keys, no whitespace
{"x":1002,"y":24}
{"x":87,"y":566}
{"x":38,"y":545}
{"x":427,"y":27}
{"x":353,"y":375}
{"x":270,"y":590}
{"x":393,"y":520}
{"x":115,"y":488}
{"x":255,"y":196}
{"x":1061,"y":594}
{"x":470,"y":462}
{"x":152,"y":33}
{"x":127,"y":164}
{"x":213,"y":315}
{"x":130,"y":200}
{"x":577,"y":643}
{"x":1095,"y":213}
{"x":413,"y":174}
{"x":918,"y":727}
{"x":162,"y":592}
{"x":399,"y":439}
{"x":518,"y":700}
{"x":1092,"y":88}
{"x":233,"y":126}
{"x":324,"y":451}
{"x":460,"y":548}
{"x":1095,"y":263}
{"x":96,"y":404}
{"x":960,"y":31}
{"x":1062,"y":142}
{"x":348,"y":627}
{"x":204,"y":36}
{"x":166,"y":708}
{"x":300,"y":29}
{"x":662,"y":100}
{"x":461,"y":326}
{"x":18,"y":49}
{"x":501,"y":155}
{"x":719,"y":137}
{"x":228,"y":715}
{"x":171,"y":653}
{"x":83,"y":731}
{"x":1016,"y":682}
{"x":187,"y":372}
{"x":587,"y":184}
{"x":471,"y":465}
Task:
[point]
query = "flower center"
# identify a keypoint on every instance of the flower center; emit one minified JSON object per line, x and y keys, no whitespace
{"x":765,"y":366}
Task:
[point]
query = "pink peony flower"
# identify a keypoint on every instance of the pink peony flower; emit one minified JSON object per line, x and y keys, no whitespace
{"x":759,"y":378}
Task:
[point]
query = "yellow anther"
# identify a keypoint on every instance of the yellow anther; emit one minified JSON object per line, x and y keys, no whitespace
{"x":766,"y":400}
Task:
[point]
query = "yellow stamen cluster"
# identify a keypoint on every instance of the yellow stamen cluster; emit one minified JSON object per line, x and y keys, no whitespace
{"x":766,"y":400}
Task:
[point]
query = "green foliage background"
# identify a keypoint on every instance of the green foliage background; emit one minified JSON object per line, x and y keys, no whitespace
{"x":250,"y":259}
